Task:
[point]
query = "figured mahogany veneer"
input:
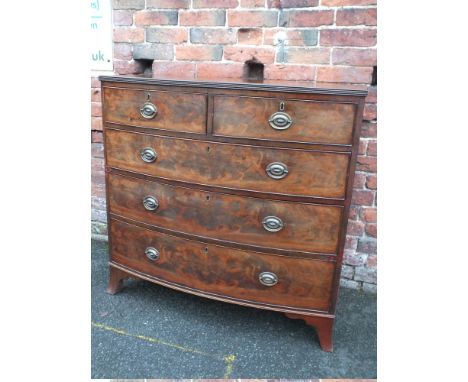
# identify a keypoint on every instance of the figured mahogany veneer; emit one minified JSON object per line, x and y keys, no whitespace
{"x":233,"y":190}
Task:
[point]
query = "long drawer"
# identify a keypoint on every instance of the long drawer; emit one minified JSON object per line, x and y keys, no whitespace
{"x":237,"y":274}
{"x":264,"y":223}
{"x":239,"y":167}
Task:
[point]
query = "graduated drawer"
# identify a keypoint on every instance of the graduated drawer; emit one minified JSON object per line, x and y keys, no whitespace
{"x":311,"y":121}
{"x":238,"y":219}
{"x":164,"y":110}
{"x":223,"y":271}
{"x":240,"y":167}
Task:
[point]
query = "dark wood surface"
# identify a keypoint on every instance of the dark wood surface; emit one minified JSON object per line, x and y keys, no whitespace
{"x":302,"y":283}
{"x":313,"y":121}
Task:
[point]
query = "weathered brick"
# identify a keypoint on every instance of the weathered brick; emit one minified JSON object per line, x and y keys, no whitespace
{"x":359,"y":180}
{"x":126,"y":34}
{"x":289,"y":72}
{"x":203,"y":18}
{"x":372,"y":148}
{"x":250,"y":36}
{"x":199,"y":52}
{"x":365,"y":163}
{"x":362,"y":147}
{"x":369,"y":214}
{"x":96,"y":123}
{"x":95,"y":83}
{"x":153,"y":52}
{"x":355,"y":228}
{"x":363,"y":197}
{"x":353,"y":258}
{"x":145,"y":18}
{"x":213,"y":36}
{"x":305,"y":18}
{"x":343,"y":3}
{"x":370,"y":112}
{"x":243,"y":54}
{"x":96,"y":136}
{"x":292,"y":37}
{"x":351,"y":243}
{"x":292,"y":3}
{"x":371,"y":261}
{"x":123,"y":51}
{"x":252,"y":3}
{"x":369,"y":130}
{"x":347,"y":74}
{"x":175,"y":69}
{"x":97,"y":150}
{"x":368,"y":246}
{"x":348,"y":37}
{"x":95,"y":95}
{"x":99,"y":229}
{"x":267,"y":18}
{"x":123,"y":18}
{"x":354,"y":57}
{"x":96,"y":109}
{"x":215,"y":3}
{"x":368,"y":275}
{"x":307,"y":55}
{"x":371,"y":230}
{"x":126,"y":67}
{"x":347,"y":272}
{"x":163,"y":4}
{"x":353,"y":212}
{"x":166,"y":35}
{"x":128,"y":4}
{"x":220,"y":70}
{"x":351,"y":284}
{"x":371,"y":288}
{"x":356,"y":16}
{"x":371,"y":182}
{"x":371,"y":94}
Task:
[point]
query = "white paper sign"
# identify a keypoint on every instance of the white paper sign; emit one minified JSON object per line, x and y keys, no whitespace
{"x":101,"y":35}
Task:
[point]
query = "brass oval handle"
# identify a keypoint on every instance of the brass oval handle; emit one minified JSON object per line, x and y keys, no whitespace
{"x":268,"y":278}
{"x":148,"y":110}
{"x":272,"y":224}
{"x":280,"y":120}
{"x":150,"y":203}
{"x":277,"y":170}
{"x":148,"y":155}
{"x":152,"y":253}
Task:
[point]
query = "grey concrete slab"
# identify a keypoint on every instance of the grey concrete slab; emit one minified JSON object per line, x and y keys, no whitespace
{"x":149,"y":331}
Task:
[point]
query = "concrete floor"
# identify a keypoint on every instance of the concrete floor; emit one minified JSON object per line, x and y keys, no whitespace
{"x":149,"y":331}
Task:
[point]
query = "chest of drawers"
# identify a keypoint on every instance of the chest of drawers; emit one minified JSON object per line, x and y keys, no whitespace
{"x":235,"y":191}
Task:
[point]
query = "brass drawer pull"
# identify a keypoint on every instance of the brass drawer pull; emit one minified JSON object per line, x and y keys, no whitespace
{"x":148,"y":155}
{"x":148,"y":110}
{"x":277,"y":170}
{"x":152,"y":253}
{"x":272,"y":224}
{"x":150,"y":203}
{"x":268,"y":278}
{"x":280,"y":120}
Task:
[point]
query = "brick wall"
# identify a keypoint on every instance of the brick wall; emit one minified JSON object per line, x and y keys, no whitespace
{"x":322,"y":40}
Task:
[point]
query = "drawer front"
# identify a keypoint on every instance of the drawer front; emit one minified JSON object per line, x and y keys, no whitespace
{"x":301,"y":283}
{"x":309,"y":173}
{"x":312,"y":121}
{"x":185,"y":112}
{"x":264,"y":223}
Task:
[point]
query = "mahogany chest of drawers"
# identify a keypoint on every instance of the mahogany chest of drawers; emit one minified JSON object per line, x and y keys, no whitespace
{"x":235,"y":191}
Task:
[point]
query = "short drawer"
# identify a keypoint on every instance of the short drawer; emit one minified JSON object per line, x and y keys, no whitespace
{"x":222,"y":271}
{"x":284,"y":120}
{"x":164,"y":110}
{"x":240,"y":167}
{"x":238,"y":219}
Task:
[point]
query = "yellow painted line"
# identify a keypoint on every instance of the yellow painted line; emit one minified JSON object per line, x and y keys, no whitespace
{"x":228,"y":360}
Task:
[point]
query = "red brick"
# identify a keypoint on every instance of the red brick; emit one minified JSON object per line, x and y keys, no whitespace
{"x":371,"y":182}
{"x":369,"y":130}
{"x":362,"y":147}
{"x":355,"y":228}
{"x":250,"y":36}
{"x":265,"y":18}
{"x":220,"y":70}
{"x":342,"y":3}
{"x":353,"y":258}
{"x":368,"y":164}
{"x":292,"y":3}
{"x":369,"y":214}
{"x":362,"y":197}
{"x":129,"y":34}
{"x":371,"y":262}
{"x":215,"y":3}
{"x":371,"y":230}
{"x":123,"y":18}
{"x":95,"y":95}
{"x":359,"y":180}
{"x":370,"y":112}
{"x":368,"y":246}
{"x":371,"y":94}
{"x":164,"y":4}
{"x":96,"y":123}
{"x":306,"y":55}
{"x":126,"y":67}
{"x":356,"y":16}
{"x":96,"y":137}
{"x":243,"y":54}
{"x":252,"y":3}
{"x":348,"y":37}
{"x":145,"y":18}
{"x":289,"y":72}
{"x":166,"y":35}
{"x":294,"y":37}
{"x":305,"y":18}
{"x":123,"y":51}
{"x":176,"y":69}
{"x":96,"y":110}
{"x":354,"y":212}
{"x":351,"y":74}
{"x":213,"y":35}
{"x":372,"y":148}
{"x":351,"y":243}
{"x":203,"y":18}
{"x":95,"y":83}
{"x":199,"y":52}
{"x":354,"y":57}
